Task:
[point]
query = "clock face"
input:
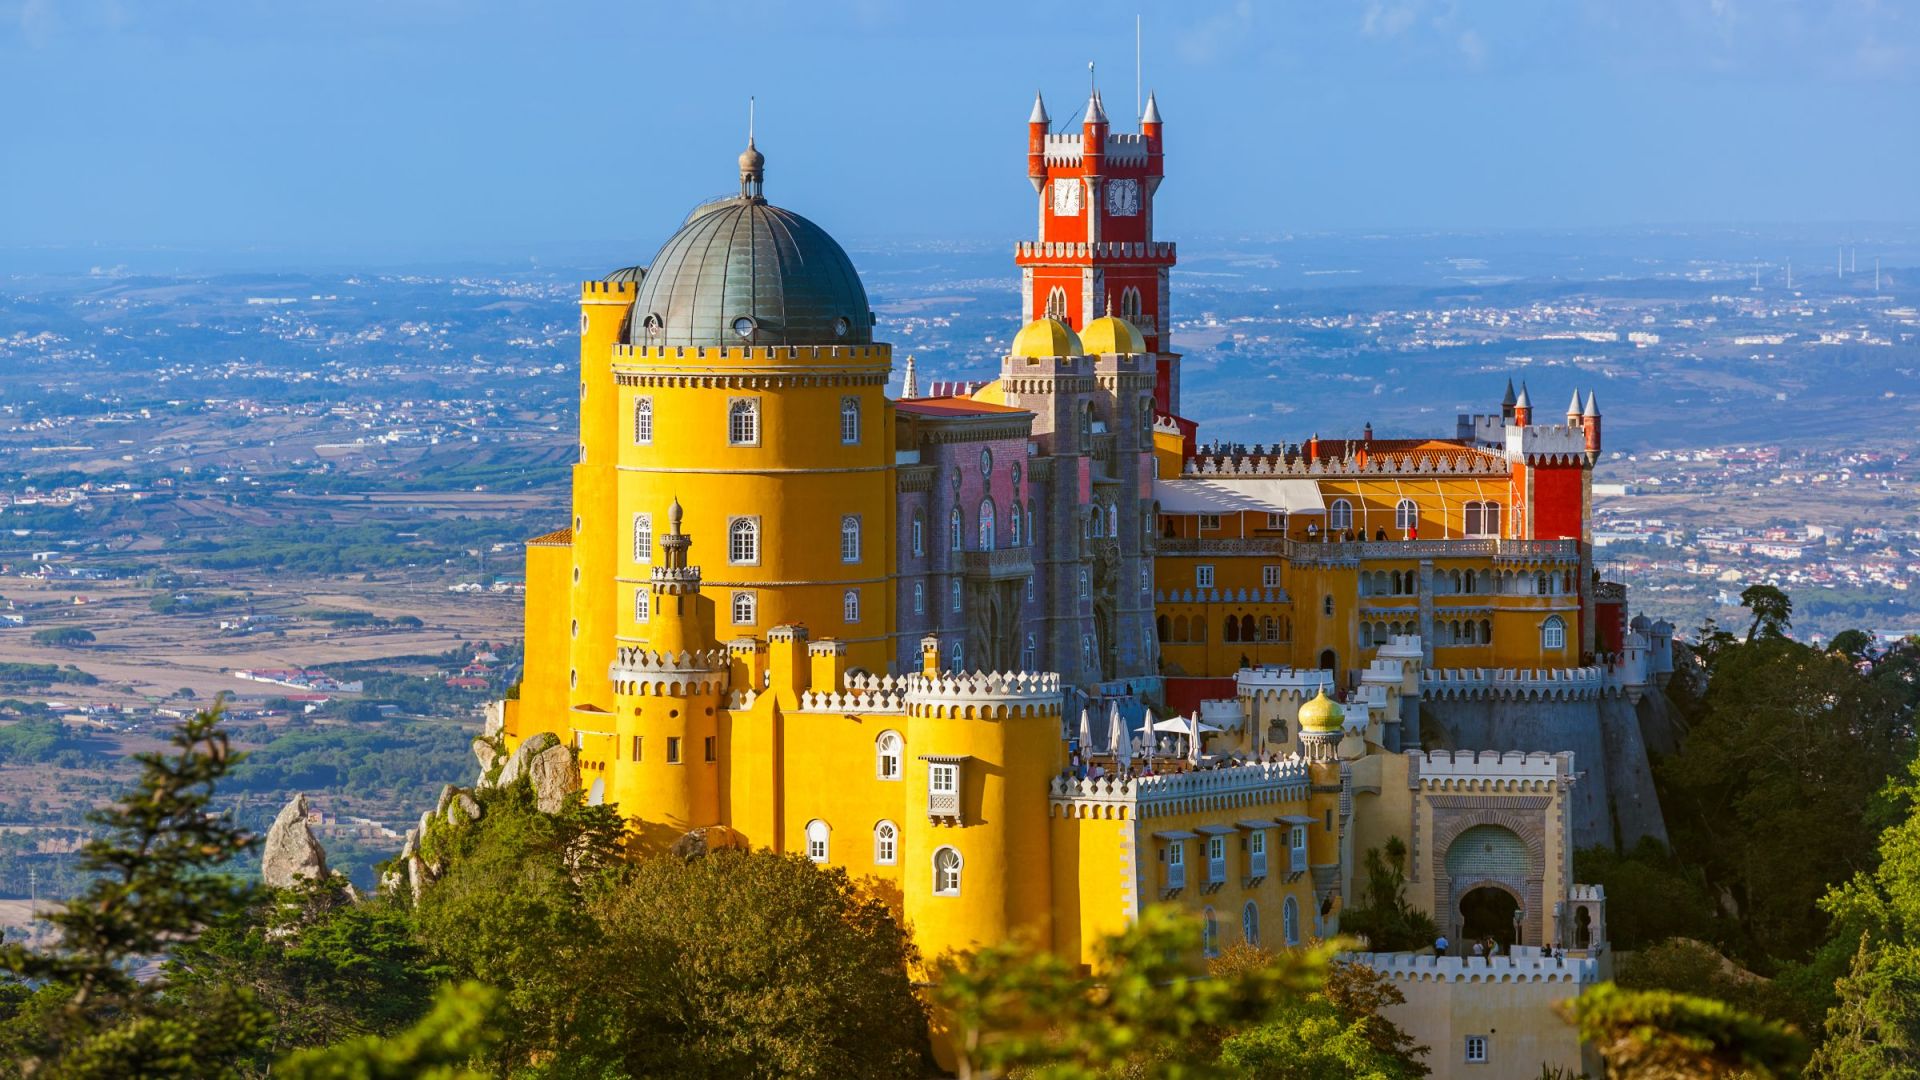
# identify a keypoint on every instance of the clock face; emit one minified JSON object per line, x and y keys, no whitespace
{"x":1066,"y":198}
{"x":1123,"y":198}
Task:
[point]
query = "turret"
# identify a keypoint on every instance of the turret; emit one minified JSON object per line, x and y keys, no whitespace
{"x":1506,"y":403}
{"x":680,"y":621}
{"x":1590,"y":424}
{"x":1573,"y":410}
{"x":1523,"y":407}
{"x":1037,"y":121}
{"x":1150,"y":127}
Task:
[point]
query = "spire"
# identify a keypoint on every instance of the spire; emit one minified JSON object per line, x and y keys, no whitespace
{"x":910,"y":382}
{"x":1523,"y":401}
{"x":1573,"y":407}
{"x":1506,"y":402}
{"x":1039,"y":113}
{"x":673,"y":517}
{"x":1152,"y":115}
{"x":752,"y":162}
{"x":1593,"y":407}
{"x":1096,"y":112}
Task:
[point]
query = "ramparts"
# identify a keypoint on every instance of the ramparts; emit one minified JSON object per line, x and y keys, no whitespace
{"x":1228,"y":787}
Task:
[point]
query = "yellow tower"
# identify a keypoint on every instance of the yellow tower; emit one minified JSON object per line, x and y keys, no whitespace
{"x":748,"y":373}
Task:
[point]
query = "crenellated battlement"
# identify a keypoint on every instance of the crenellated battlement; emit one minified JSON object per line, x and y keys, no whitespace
{"x":1587,"y":893}
{"x":608,"y":291}
{"x":1523,"y":964}
{"x":644,"y":672}
{"x":1513,"y":684}
{"x":852,"y":702}
{"x":981,"y":695}
{"x":1161,"y":794}
{"x":1288,"y":460}
{"x":1490,"y":770}
{"x":1221,"y":596}
{"x":643,"y":354}
{"x":1143,"y":251}
{"x":1283,"y":682}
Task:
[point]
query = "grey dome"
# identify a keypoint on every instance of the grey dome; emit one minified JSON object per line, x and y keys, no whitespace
{"x":743,"y":258}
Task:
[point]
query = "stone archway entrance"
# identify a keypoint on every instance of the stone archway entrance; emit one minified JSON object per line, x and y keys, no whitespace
{"x":1487,"y":911}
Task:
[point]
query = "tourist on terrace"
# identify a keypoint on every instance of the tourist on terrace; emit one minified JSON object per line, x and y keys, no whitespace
{"x":1440,"y":945}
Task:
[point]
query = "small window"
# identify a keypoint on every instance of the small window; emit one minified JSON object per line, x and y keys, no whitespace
{"x":673,"y":750}
{"x":1013,"y":527}
{"x":919,"y":598}
{"x":642,"y":604}
{"x":1340,"y":515}
{"x":1476,"y":1049}
{"x":954,"y":590}
{"x":956,"y":658}
{"x":1290,"y":921}
{"x":946,"y":872}
{"x":1270,"y":576}
{"x":1203,"y":577}
{"x":1086,"y":585}
{"x":943,"y":778}
{"x":1405,"y":515}
{"x":986,"y":525}
{"x":1277,"y":521}
{"x":1209,"y":522}
{"x":1250,"y":923}
{"x":743,"y":422}
{"x":1553,"y":634}
{"x":886,"y":844}
{"x":1057,"y":298}
{"x":743,"y":541}
{"x":711,"y":748}
{"x":1216,"y":859}
{"x":1210,"y":935}
{"x":919,"y":533}
{"x":956,"y":531}
{"x":636,"y":748}
{"x":1029,"y":586}
{"x":850,"y":605}
{"x":850,"y":538}
{"x":643,"y":421}
{"x":743,"y":326}
{"x":817,"y":836}
{"x":1326,"y":605}
{"x":849,"y":421}
{"x":743,"y":609}
{"x":643,"y":538}
{"x":886,"y":755}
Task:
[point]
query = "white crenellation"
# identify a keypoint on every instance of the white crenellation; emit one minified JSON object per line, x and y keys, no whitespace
{"x":1214,"y":463}
{"x":1514,"y":684}
{"x":1490,"y":770}
{"x":1523,"y":964}
{"x":1232,"y":787}
{"x":982,"y":695}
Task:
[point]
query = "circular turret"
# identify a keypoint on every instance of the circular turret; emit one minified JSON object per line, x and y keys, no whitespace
{"x":1046,"y":338}
{"x":1322,"y":715}
{"x":1112,"y":334}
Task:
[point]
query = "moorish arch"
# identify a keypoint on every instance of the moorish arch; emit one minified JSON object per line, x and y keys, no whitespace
{"x":1479,"y":848}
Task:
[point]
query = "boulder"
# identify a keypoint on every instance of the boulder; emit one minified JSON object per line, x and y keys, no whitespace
{"x":462,"y":808}
{"x":486,"y":751}
{"x":549,"y":764}
{"x":290,"y":851}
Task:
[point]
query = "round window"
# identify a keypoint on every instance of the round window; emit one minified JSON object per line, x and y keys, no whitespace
{"x":841,"y":325}
{"x":955,"y":479}
{"x":986,"y":462}
{"x":743,"y":326}
{"x":653,"y":325}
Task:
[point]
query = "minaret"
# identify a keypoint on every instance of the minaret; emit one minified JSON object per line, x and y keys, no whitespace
{"x":680,"y":622}
{"x":909,"y":383}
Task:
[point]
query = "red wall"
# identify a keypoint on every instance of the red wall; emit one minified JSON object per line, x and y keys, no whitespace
{"x":1556,"y":502}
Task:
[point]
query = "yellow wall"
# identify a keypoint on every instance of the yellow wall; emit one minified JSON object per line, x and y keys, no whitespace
{"x":543,"y":680}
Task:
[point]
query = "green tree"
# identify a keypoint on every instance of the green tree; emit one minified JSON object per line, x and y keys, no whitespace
{"x":1852,"y":644}
{"x":1651,"y":894}
{"x":1383,"y":917}
{"x":156,"y":881}
{"x":1772,"y":611}
{"x":1339,"y":1031}
{"x":439,"y":1047}
{"x":1657,"y":1035}
{"x":1010,"y":1006}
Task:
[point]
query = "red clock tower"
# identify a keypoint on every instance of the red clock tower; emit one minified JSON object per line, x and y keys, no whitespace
{"x":1096,"y":254}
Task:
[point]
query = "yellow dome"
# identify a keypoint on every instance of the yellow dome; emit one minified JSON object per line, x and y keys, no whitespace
{"x":1321,"y":714}
{"x":1046,"y":337}
{"x":1112,"y":334}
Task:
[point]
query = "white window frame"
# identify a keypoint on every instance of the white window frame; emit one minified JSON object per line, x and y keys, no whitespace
{"x":1406,"y":514}
{"x":642,"y":604}
{"x":1176,"y":864}
{"x":886,"y":843}
{"x":1209,"y":521}
{"x":1553,"y":634}
{"x":1339,"y":515}
{"x":850,"y":606}
{"x":1290,"y":921}
{"x":919,"y":598}
{"x":1270,"y":576}
{"x":1475,"y":1050}
{"x":956,"y":531}
{"x":1277,"y":520}
{"x":745,"y":553}
{"x":946,"y":878}
{"x":643,"y":538}
{"x":643,"y":421}
{"x":744,"y":607}
{"x":1297,"y":850}
{"x":986,"y":520}
{"x":743,"y":421}
{"x":889,"y":751}
{"x":850,"y":421}
{"x":1203,"y":577}
{"x":819,"y":840}
{"x":850,"y":538}
{"x":919,"y":530}
{"x":1257,"y":853}
{"x":943,"y":778}
{"x":1216,"y":859}
{"x":1250,"y":923}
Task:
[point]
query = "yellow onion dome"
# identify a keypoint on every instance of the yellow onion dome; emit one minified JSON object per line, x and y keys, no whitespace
{"x":1112,"y":334}
{"x":1322,"y":714}
{"x":1046,"y":338}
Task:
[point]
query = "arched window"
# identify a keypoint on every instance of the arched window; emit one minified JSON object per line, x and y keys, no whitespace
{"x":1013,"y":527}
{"x":919,"y":533}
{"x":1179,"y":628}
{"x":1541,"y":585}
{"x":1250,"y":923}
{"x":1326,"y":604}
{"x":887,"y":755}
{"x":743,"y":422}
{"x":850,"y":538}
{"x":956,"y":537}
{"x":1290,"y":921}
{"x":850,"y":421}
{"x":1130,"y":305}
{"x":1029,"y":521}
{"x":1405,"y":515}
{"x":850,"y":605}
{"x":1113,"y":521}
{"x":1057,"y":304}
{"x":946,"y":872}
{"x":1086,"y":585}
{"x":1340,"y":515}
{"x":1231,"y":630}
{"x":1486,"y":632}
{"x":1490,"y":519}
{"x":817,"y":834}
{"x":1468,"y":584}
{"x":642,"y":604}
{"x":1096,"y":523}
{"x":743,"y":541}
{"x":1397,"y":586}
{"x":642,"y":538}
{"x":1553,"y":634}
{"x":1086,"y":427}
{"x":743,"y":606}
{"x":919,"y":598}
{"x":643,"y":421}
{"x":1246,"y":628}
{"x":1210,"y":935}
{"x":1164,"y":627}
{"x":986,"y":524}
{"x":886,"y":844}
{"x":1199,"y":628}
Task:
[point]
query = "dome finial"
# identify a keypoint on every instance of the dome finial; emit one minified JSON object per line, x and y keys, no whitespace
{"x":752,"y":163}
{"x":673,"y":517}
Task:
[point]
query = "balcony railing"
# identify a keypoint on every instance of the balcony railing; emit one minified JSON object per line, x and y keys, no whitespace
{"x":1216,"y":871}
{"x":1297,"y":861}
{"x":998,"y":564}
{"x":1177,"y":875}
{"x":943,"y":804}
{"x":1257,"y":864}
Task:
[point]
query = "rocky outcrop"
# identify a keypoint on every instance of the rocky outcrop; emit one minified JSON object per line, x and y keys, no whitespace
{"x":548,"y":763}
{"x":291,"y":852}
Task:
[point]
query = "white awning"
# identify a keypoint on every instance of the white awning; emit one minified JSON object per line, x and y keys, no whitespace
{"x":1176,"y":834}
{"x":1258,"y":823}
{"x":1214,"y":830}
{"x":1227,"y":495}
{"x":1298,"y":819}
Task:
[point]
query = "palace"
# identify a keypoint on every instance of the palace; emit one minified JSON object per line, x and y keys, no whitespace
{"x":1030,"y":655}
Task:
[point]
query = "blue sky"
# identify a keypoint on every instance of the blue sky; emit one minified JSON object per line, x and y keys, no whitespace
{"x":408,"y":129}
